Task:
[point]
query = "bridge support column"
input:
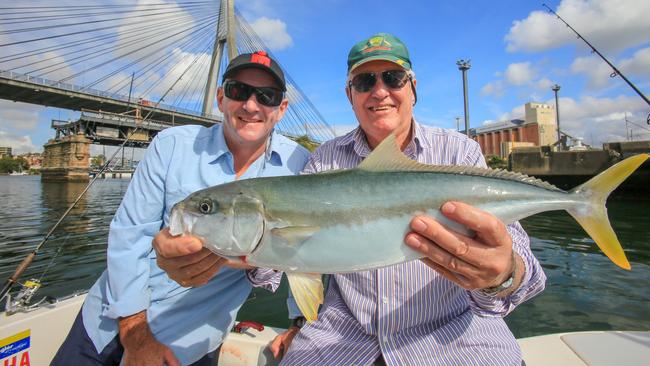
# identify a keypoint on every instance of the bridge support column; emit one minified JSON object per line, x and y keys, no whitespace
{"x":66,"y":160}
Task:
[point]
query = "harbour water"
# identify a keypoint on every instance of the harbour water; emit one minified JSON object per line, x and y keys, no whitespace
{"x":585,"y":291}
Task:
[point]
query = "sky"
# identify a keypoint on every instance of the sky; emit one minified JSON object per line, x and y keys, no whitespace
{"x":517,"y":50}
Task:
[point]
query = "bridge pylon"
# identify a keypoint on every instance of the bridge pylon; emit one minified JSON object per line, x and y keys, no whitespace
{"x":225,"y":34}
{"x":66,"y":159}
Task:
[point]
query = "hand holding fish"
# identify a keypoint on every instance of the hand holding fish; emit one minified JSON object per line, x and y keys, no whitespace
{"x":185,"y":259}
{"x":482,"y":261}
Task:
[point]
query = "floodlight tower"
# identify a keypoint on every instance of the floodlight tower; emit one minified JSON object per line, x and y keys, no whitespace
{"x":463,"y":66}
{"x":555,"y":89}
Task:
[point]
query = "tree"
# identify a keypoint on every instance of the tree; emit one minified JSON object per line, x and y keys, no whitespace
{"x":9,"y":165}
{"x":496,"y":162}
{"x":22,"y":164}
{"x":98,"y":160}
{"x":305,"y":141}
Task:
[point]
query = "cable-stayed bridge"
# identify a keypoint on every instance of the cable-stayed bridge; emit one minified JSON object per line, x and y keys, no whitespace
{"x":159,"y":62}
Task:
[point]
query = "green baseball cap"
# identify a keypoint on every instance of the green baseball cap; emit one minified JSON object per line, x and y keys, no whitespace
{"x":381,"y":46}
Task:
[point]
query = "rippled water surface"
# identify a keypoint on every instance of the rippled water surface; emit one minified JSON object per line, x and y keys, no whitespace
{"x":585,"y":291}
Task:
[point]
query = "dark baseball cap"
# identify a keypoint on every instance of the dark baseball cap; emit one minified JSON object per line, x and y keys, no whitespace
{"x":258,"y":60}
{"x":381,"y":46}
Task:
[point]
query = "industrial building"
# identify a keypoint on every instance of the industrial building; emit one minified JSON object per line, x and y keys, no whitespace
{"x":538,"y":128}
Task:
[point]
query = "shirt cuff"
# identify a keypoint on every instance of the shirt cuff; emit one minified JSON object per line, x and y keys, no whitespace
{"x":126,"y":307}
{"x":268,"y":279}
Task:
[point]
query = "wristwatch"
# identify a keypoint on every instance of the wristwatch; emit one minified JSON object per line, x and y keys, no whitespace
{"x":298,"y":322}
{"x":493,"y":291}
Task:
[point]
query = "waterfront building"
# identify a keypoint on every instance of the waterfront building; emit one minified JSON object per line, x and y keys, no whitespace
{"x":35,"y":160}
{"x":5,"y":152}
{"x":538,"y":128}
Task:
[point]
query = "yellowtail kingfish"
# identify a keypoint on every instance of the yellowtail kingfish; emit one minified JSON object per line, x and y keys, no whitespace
{"x":355,"y":220}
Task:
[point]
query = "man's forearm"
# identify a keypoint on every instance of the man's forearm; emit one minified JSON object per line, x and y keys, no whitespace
{"x":134,"y":330}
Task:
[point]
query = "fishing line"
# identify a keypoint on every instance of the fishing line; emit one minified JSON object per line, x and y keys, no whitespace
{"x":30,"y":257}
{"x":594,"y":50}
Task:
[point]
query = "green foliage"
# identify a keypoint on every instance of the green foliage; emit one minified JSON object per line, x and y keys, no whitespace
{"x":305,"y":141}
{"x":9,"y":165}
{"x":98,"y":160}
{"x":496,"y":162}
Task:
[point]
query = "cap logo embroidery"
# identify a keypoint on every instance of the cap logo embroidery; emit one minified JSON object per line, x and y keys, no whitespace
{"x":376,"y":44}
{"x":260,"y":57}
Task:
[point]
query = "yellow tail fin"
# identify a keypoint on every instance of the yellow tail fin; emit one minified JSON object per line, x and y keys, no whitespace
{"x":594,"y":220}
{"x":307,"y":289}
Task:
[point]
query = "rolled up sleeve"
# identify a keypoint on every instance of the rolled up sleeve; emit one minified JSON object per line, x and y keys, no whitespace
{"x":137,"y":220}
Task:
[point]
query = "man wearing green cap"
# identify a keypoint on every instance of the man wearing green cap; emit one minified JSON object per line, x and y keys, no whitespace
{"x":446,"y":309}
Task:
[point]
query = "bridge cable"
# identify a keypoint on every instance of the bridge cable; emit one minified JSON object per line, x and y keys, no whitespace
{"x":67,"y":15}
{"x":95,"y":54}
{"x":71,"y":44}
{"x":30,"y":257}
{"x":122,"y":55}
{"x":144,"y":33}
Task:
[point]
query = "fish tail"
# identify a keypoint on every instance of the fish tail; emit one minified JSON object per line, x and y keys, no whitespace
{"x":593,"y":218}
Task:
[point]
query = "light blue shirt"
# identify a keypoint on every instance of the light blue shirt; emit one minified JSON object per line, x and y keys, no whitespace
{"x":192,"y":322}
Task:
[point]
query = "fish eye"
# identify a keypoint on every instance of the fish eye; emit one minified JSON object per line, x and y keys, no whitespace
{"x":205,"y":206}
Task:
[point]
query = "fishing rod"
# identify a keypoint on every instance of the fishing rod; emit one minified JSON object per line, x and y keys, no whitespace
{"x":594,"y":50}
{"x":30,"y":257}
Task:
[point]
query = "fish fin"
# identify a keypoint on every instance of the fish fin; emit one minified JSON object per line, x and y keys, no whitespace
{"x":295,"y":235}
{"x":307,"y":290}
{"x":594,"y":220}
{"x":388,"y":157}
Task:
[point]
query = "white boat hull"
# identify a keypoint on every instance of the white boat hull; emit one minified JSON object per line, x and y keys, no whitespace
{"x":33,"y":338}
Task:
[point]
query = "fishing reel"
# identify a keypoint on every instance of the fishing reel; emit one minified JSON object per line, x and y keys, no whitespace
{"x":21,"y":301}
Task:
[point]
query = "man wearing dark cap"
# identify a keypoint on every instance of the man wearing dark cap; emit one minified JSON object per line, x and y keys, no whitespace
{"x":445,"y":309}
{"x":136,"y":313}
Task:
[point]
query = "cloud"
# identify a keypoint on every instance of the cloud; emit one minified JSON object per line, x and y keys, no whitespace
{"x":180,"y":65}
{"x":639,"y":64}
{"x":273,"y":32}
{"x":609,"y":25}
{"x":496,"y":89}
{"x":598,"y":72}
{"x":595,"y":70}
{"x":519,"y":73}
{"x":597,"y":120}
{"x":19,"y":144}
{"x":19,"y":116}
{"x":544,"y":84}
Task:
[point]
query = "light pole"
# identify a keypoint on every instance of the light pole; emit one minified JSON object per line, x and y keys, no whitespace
{"x":463,"y":66}
{"x":555,"y":89}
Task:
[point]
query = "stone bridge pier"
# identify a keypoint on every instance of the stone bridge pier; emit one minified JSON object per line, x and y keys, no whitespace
{"x":66,"y":159}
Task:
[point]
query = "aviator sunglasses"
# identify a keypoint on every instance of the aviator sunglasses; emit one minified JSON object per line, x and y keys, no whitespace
{"x":268,"y":96}
{"x":394,"y":79}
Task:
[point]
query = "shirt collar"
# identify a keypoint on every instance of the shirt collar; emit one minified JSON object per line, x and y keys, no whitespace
{"x":219,"y":148}
{"x":361,"y":148}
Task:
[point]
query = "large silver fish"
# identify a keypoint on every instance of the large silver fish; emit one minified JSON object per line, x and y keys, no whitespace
{"x":355,"y":220}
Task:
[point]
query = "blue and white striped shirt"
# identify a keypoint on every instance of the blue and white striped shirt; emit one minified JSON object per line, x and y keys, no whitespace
{"x":408,"y":313}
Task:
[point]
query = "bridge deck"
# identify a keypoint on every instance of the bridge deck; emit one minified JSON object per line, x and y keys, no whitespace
{"x":27,"y":89}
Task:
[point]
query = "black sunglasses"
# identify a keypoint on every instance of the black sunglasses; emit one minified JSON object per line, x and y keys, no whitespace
{"x":268,"y":96}
{"x":394,"y":79}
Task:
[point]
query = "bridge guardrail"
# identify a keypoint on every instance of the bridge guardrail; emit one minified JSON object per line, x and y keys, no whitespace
{"x":75,"y":88}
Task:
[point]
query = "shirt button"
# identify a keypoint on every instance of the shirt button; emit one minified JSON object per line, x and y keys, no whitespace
{"x":385,"y":300}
